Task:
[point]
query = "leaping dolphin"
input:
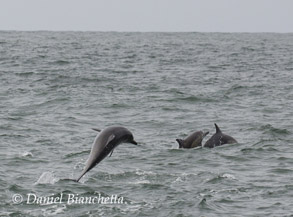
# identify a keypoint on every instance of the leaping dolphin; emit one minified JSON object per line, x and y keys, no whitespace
{"x":105,"y":143}
{"x":219,"y":138}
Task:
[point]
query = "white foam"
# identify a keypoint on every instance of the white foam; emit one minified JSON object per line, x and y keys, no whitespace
{"x":228,"y":176}
{"x":27,"y":154}
{"x":47,"y":178}
{"x":139,"y":182}
{"x":179,"y":179}
{"x":142,"y":172}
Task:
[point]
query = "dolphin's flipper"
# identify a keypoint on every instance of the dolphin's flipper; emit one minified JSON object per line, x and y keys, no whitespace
{"x":96,"y":129}
{"x":110,"y":139}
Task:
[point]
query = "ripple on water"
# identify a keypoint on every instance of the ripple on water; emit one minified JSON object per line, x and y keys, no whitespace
{"x":56,"y":85}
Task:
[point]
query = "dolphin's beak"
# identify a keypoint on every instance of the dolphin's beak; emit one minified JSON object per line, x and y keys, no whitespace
{"x":133,"y":142}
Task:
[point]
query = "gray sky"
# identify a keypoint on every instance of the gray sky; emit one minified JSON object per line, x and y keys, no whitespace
{"x":148,"y":15}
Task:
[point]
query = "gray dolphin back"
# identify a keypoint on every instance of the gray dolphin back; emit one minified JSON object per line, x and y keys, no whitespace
{"x":219,"y":139}
{"x":193,"y":140}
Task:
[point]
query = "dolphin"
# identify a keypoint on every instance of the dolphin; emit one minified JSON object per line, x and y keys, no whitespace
{"x":105,"y":143}
{"x":219,"y":138}
{"x":192,"y":141}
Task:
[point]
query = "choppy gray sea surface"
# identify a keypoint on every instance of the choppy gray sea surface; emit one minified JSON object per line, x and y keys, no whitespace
{"x":56,"y":86}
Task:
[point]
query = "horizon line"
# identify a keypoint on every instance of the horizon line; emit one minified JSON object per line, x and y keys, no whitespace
{"x":140,"y":31}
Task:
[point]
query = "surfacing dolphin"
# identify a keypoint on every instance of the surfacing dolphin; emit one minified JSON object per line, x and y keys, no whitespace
{"x":219,"y":138}
{"x":193,"y":140}
{"x":105,"y":143}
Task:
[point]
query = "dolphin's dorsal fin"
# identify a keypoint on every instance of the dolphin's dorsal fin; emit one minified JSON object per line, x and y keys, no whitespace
{"x":111,"y":153}
{"x":217,"y":129}
{"x":96,"y":129}
{"x":180,"y":142}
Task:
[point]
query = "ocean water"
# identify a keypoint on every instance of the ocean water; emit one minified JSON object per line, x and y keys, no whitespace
{"x":56,"y":86}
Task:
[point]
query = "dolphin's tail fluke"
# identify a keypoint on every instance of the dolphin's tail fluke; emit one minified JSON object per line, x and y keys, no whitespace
{"x":77,"y":180}
{"x":74,"y":180}
{"x":84,"y":172}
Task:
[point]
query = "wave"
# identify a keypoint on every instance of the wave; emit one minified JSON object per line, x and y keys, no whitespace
{"x":60,"y":62}
{"x":192,"y":99}
{"x":75,"y":154}
{"x":219,"y":178}
{"x":269,"y":129}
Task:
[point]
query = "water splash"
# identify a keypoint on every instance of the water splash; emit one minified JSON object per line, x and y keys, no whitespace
{"x":47,"y":178}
